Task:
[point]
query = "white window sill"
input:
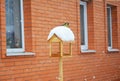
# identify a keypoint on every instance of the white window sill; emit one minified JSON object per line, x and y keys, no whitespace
{"x":88,"y":51}
{"x":113,"y":50}
{"x":20,"y":54}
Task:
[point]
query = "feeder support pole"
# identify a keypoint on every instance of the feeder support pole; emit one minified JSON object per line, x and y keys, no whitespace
{"x":61,"y":62}
{"x":60,"y":69}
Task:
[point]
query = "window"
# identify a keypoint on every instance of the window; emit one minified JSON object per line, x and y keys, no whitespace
{"x":83,"y":25}
{"x":112,"y":28}
{"x":14,"y":26}
{"x":109,"y":21}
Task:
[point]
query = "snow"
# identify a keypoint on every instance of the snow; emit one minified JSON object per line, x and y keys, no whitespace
{"x":64,"y":33}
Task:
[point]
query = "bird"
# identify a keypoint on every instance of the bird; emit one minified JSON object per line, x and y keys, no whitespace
{"x":66,"y":24}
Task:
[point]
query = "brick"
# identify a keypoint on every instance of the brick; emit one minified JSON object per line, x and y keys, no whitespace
{"x":40,"y":16}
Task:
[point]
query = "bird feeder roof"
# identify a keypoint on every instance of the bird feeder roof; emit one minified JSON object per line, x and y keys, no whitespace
{"x":64,"y":33}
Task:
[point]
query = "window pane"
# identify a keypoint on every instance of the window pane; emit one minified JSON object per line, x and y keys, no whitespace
{"x":82,"y":25}
{"x":13,"y":24}
{"x":109,"y":26}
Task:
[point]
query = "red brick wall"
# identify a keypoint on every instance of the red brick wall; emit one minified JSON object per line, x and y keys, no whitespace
{"x":40,"y":17}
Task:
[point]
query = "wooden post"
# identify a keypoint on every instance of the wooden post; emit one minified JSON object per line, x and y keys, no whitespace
{"x":60,"y":69}
{"x":61,"y":49}
{"x":70,"y":49}
{"x":61,"y":62}
{"x":50,"y":49}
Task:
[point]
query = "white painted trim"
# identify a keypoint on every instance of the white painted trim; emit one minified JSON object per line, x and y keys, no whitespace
{"x":22,"y":24}
{"x":88,"y":51}
{"x":85,"y":47}
{"x":20,"y":54}
{"x":22,"y":32}
{"x":113,"y":50}
{"x":15,"y":50}
{"x":110,"y":47}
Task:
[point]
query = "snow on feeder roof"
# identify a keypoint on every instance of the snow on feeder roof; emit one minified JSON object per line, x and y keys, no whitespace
{"x":64,"y":33}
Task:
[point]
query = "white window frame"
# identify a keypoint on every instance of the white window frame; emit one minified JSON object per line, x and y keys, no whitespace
{"x":9,"y":50}
{"x":110,"y":47}
{"x":85,"y":47}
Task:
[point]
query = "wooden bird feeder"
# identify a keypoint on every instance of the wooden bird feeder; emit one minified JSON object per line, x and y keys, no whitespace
{"x":60,"y":35}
